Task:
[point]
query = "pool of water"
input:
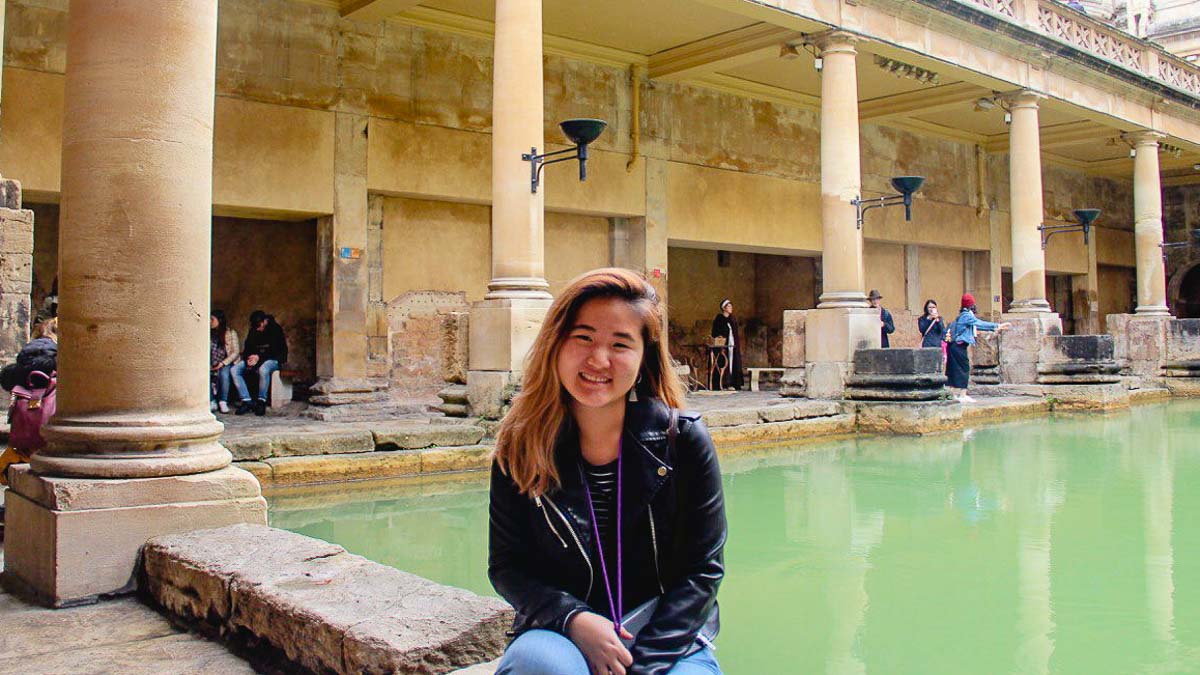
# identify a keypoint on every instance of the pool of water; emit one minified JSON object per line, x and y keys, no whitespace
{"x":1058,"y":545}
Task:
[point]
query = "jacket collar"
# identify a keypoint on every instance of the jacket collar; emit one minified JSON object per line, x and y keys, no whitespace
{"x":645,"y":466}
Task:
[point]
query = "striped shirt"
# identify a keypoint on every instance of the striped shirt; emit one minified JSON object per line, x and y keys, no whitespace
{"x":602,"y":481}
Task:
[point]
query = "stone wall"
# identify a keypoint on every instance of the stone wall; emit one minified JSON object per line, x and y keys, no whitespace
{"x":424,"y":339}
{"x":16,"y":269}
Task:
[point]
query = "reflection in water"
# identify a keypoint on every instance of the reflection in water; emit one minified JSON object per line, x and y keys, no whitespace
{"x":1037,"y":547}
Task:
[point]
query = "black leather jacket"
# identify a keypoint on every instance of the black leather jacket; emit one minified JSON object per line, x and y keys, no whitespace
{"x":542,"y":551}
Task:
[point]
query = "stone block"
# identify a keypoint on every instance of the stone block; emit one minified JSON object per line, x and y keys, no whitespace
{"x":310,"y":469}
{"x":809,"y":409}
{"x":325,"y":609}
{"x":825,"y":380}
{"x":1021,"y":344}
{"x":323,"y":442}
{"x":729,"y":418}
{"x":1117,"y":325}
{"x":502,"y":332}
{"x":986,"y":351}
{"x":464,"y":458}
{"x":729,"y":439}
{"x":792,"y":384}
{"x":1183,"y":340}
{"x":1183,"y":387}
{"x":898,"y":362}
{"x":905,"y":417}
{"x":456,"y":339}
{"x":777,"y":413}
{"x":71,"y":540}
{"x":833,"y":335}
{"x":1019,"y":372}
{"x":794,"y":337}
{"x":410,"y":437}
{"x":1146,"y":338}
{"x":490,"y":392}
{"x":1076,"y":349}
{"x":897,"y":375}
{"x":1084,"y":397}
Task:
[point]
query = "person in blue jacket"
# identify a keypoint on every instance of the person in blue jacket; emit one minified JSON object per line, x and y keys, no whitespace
{"x":962,"y":336}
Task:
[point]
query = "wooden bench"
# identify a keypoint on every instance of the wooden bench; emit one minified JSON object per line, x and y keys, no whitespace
{"x":281,"y":387}
{"x":755,"y":372}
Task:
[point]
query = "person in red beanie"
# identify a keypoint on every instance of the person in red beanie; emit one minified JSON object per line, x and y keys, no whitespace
{"x":961,"y":337}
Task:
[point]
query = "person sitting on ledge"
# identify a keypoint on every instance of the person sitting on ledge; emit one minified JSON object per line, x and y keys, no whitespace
{"x":265,"y":349}
{"x":607,"y":528}
{"x":962,"y":336}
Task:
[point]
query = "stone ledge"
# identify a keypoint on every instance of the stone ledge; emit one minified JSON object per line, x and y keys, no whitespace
{"x":730,"y":439}
{"x":427,"y":436}
{"x":323,"y":608}
{"x":80,"y":494}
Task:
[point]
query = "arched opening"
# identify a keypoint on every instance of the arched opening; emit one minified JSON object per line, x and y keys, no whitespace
{"x":1186,"y":298}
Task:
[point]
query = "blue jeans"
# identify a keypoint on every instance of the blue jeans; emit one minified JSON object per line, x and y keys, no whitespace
{"x":265,"y":368}
{"x":544,"y":652}
{"x":221,"y":379}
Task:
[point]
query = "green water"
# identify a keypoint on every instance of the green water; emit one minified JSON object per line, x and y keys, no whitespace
{"x":1063,"y":545}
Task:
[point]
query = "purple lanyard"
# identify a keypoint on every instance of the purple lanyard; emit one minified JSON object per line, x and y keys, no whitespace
{"x":617,"y":606}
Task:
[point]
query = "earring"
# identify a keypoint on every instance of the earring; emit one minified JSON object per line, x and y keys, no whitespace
{"x":633,"y":390}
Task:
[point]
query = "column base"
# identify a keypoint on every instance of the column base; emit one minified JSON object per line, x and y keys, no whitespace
{"x":1035,"y":306}
{"x":1021,"y":345}
{"x":831,"y":337}
{"x":489,"y":392}
{"x":1153,"y":310}
{"x":837,"y":299}
{"x":71,"y":541}
{"x":131,"y":445}
{"x":518,"y":288}
{"x":1139,"y":343}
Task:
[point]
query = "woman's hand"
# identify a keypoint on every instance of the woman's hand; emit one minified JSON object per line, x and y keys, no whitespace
{"x":1004,"y":326}
{"x":595,"y":637}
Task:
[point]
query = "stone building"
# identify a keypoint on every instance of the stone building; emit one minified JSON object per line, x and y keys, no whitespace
{"x":364,"y":181}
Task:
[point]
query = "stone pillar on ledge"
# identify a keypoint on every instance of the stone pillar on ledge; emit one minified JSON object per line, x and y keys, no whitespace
{"x":133,"y":450}
{"x":843,"y":322}
{"x":505,"y":323}
{"x":1030,"y":313}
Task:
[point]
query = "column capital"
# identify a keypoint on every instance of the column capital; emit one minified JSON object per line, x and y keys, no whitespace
{"x":836,"y":41}
{"x":1145,"y":137}
{"x":1021,"y":98}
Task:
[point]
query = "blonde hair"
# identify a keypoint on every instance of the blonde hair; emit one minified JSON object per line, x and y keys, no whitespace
{"x":47,"y":328}
{"x":526,"y":441}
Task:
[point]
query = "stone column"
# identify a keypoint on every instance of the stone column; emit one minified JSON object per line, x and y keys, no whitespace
{"x":842,"y":322}
{"x":344,"y":261}
{"x":134,"y":254}
{"x":1030,"y":312}
{"x":505,"y":323}
{"x":1027,"y":213}
{"x":1148,"y":227}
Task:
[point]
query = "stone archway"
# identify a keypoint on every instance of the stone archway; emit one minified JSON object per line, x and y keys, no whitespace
{"x":1184,"y":291}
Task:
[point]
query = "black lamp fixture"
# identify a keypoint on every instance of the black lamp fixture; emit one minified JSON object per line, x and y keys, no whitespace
{"x":581,"y":132}
{"x":904,"y":185}
{"x":1085,"y":217}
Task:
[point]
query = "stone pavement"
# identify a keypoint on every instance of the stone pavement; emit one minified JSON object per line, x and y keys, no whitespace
{"x":118,"y":636}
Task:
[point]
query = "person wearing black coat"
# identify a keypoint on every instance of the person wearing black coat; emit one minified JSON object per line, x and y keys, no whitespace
{"x":931,"y":326}
{"x":725,"y":325}
{"x":886,"y":325}
{"x":264,"y":351}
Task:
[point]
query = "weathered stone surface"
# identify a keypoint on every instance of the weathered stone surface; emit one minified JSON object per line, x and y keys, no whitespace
{"x":1021,"y":345}
{"x":986,"y":352}
{"x":729,"y":418}
{"x":456,"y":334}
{"x":1149,"y":394}
{"x":902,"y":417}
{"x":807,"y":409}
{"x":489,"y":392}
{"x":1184,"y":387}
{"x":777,"y":413}
{"x":731,"y":439}
{"x":993,"y":409}
{"x":1183,"y":340}
{"x":466,"y":458}
{"x":248,"y":447}
{"x":1076,"y":349}
{"x":175,"y":654}
{"x":794,"y":337}
{"x":427,"y":436}
{"x":896,"y":375}
{"x":326,"y":609}
{"x":325,"y":442}
{"x":1074,"y":397}
{"x":322,"y":468}
{"x":792,"y":384}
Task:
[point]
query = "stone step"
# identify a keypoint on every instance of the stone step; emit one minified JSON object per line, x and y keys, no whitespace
{"x":320,"y":607}
{"x":454,"y":401}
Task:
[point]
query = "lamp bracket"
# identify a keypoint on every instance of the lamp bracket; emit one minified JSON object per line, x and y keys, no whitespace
{"x":1051,"y":229}
{"x":864,"y":205}
{"x":536,"y":162}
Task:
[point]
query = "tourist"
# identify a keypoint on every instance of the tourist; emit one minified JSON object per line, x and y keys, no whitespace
{"x":886,"y":326}
{"x":607,"y":517}
{"x":31,"y":378}
{"x":264,"y":351}
{"x":47,"y":328}
{"x":223,"y":353}
{"x":962,"y":336}
{"x":725,"y":325}
{"x":933,"y":329}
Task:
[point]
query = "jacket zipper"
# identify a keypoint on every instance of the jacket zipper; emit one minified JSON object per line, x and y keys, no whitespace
{"x":538,"y":501}
{"x":586,"y":559}
{"x":654,"y":545}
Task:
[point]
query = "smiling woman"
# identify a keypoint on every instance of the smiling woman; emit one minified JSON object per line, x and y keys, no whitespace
{"x":597,"y":474}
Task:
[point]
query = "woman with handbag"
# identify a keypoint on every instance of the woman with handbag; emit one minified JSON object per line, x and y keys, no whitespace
{"x":961,"y":338}
{"x":607,"y":519}
{"x":933,"y":329}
